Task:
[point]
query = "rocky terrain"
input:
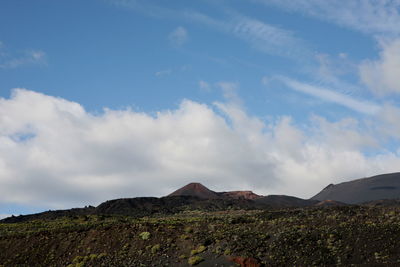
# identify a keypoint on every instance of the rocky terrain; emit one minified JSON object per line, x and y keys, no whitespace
{"x":312,"y":236}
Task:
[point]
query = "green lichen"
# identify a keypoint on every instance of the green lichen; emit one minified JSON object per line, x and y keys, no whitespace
{"x":195,"y":260}
{"x":198,"y":250}
{"x":145,"y":235}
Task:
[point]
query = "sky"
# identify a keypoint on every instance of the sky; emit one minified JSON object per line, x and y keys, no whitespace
{"x":104,"y":99}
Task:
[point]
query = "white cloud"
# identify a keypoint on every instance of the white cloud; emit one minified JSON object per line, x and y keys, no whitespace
{"x":178,"y":37}
{"x":55,"y":154}
{"x":368,"y":16}
{"x":390,"y":116}
{"x":332,"y":96}
{"x":229,"y":90}
{"x":345,"y":133}
{"x":383,"y":75}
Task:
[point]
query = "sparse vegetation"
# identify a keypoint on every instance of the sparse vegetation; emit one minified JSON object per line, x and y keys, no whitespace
{"x":302,"y":237}
{"x":155,"y":248}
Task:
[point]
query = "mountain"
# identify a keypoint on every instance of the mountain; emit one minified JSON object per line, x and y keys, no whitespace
{"x":195,"y":190}
{"x":384,"y":186}
{"x":193,"y":196}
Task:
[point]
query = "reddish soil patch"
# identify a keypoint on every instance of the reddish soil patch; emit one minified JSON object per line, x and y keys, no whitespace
{"x":245,"y":262}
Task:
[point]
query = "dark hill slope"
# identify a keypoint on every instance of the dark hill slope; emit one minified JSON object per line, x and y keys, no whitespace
{"x":385,"y":186}
{"x":138,"y":207}
{"x":51,"y":215}
{"x":282,"y":201}
{"x":143,"y":206}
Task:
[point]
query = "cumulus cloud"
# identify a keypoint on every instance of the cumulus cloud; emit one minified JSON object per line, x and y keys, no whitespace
{"x":55,"y":154}
{"x":178,"y":37}
{"x":383,"y":75}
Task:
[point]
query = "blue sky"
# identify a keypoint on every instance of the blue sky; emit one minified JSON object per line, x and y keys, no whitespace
{"x":298,"y":93}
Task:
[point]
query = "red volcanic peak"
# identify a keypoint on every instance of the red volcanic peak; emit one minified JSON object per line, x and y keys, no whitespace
{"x":196,"y":190}
{"x":199,"y":190}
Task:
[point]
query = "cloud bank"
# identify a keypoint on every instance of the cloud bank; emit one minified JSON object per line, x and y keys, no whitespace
{"x":55,"y":154}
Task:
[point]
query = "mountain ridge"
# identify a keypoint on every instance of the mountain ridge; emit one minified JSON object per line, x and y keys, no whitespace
{"x":357,"y":191}
{"x":376,"y":190}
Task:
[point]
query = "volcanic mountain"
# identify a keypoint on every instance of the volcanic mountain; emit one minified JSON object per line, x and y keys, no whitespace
{"x":384,"y":186}
{"x":195,"y":190}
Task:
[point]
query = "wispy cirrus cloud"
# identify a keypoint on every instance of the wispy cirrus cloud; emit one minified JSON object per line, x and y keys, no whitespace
{"x":332,"y":96}
{"x":178,"y":37}
{"x":259,"y":34}
{"x":268,"y":38}
{"x":163,"y":73}
{"x":13,"y":60}
{"x":367,"y":16}
{"x":204,"y":86}
{"x":380,"y":19}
